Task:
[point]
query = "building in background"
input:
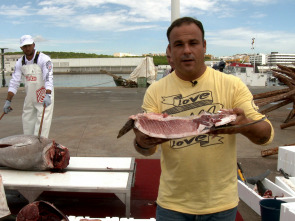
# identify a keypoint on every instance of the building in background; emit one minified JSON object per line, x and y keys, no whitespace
{"x":119,"y":54}
{"x":9,"y":62}
{"x":283,"y":59}
{"x":125,"y":62}
{"x":260,"y":59}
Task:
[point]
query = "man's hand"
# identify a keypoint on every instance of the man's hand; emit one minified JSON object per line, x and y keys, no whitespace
{"x":47,"y":100}
{"x":259,"y":133}
{"x":145,"y":144}
{"x":240,"y":120}
{"x":7,"y":107}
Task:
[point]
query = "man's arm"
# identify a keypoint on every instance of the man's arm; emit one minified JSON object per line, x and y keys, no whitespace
{"x":258,"y":133}
{"x":47,"y":70}
{"x":9,"y":96}
{"x":7,"y":106}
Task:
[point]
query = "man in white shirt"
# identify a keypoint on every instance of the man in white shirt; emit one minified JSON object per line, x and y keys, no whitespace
{"x":37,"y":69}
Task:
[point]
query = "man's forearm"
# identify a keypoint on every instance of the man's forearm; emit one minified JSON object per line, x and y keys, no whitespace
{"x":259,"y":133}
{"x":9,"y":95}
{"x":144,"y":151}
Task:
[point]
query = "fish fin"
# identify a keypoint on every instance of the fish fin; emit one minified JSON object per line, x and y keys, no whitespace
{"x":261,"y":177}
{"x":126,"y":128}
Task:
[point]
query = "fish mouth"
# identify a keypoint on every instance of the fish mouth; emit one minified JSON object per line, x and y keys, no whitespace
{"x":59,"y":156}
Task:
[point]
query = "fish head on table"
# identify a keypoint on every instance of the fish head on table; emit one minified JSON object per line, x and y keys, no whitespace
{"x":27,"y":152}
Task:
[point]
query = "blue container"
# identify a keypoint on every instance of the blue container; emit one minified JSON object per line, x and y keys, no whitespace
{"x":270,"y":209}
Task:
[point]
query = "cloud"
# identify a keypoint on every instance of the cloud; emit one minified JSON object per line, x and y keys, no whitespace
{"x":241,"y":38}
{"x":58,"y":12}
{"x":258,"y":15}
{"x":104,"y":20}
{"x":40,"y":38}
{"x":116,"y":15}
{"x":10,"y":43}
{"x":15,"y":11}
{"x":254,"y":1}
{"x":112,"y":15}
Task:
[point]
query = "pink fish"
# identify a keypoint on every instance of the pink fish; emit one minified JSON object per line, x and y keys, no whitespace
{"x":170,"y":127}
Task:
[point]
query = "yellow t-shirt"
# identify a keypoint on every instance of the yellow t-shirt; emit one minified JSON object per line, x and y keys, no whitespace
{"x":199,"y":173}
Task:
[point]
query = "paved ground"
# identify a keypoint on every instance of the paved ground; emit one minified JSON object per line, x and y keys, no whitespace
{"x":87,"y":121}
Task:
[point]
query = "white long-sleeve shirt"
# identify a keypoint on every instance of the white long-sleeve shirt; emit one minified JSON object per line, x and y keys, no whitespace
{"x":46,"y":66}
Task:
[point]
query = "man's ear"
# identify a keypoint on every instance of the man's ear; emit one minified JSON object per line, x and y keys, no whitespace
{"x":169,"y":48}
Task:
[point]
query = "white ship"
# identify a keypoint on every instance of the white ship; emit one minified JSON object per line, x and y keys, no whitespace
{"x":246,"y":73}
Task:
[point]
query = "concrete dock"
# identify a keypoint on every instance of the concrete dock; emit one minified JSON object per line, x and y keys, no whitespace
{"x":87,"y":121}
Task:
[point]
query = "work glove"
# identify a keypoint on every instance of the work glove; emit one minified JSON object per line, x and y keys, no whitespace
{"x":47,"y":100}
{"x":7,"y":107}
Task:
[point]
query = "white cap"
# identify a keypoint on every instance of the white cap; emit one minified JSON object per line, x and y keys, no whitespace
{"x":26,"y":40}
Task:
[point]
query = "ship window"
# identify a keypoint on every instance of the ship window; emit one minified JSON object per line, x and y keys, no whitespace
{"x":243,"y":70}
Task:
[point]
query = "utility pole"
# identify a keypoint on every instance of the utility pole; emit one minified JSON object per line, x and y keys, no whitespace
{"x":253,"y":39}
{"x":175,"y":9}
{"x":2,"y":67}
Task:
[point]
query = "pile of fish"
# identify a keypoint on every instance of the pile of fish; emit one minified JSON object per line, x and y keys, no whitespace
{"x":259,"y":186}
{"x":28,"y":152}
{"x":169,"y":127}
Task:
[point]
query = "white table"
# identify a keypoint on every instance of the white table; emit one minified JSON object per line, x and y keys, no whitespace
{"x":102,"y":164}
{"x":84,"y":174}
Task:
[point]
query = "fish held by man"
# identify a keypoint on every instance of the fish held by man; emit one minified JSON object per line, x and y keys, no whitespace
{"x":27,"y":152}
{"x":169,"y":127}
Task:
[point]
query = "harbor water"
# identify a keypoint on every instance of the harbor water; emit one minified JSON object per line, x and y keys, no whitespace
{"x":100,"y":80}
{"x":84,"y":80}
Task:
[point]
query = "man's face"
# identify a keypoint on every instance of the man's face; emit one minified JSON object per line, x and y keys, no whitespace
{"x":187,"y":51}
{"x":28,"y":49}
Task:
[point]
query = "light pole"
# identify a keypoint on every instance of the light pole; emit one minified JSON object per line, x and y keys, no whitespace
{"x":175,"y":9}
{"x":2,"y":59}
{"x":253,"y":39}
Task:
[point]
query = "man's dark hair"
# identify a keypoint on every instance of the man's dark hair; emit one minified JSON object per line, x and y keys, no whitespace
{"x":188,"y":20}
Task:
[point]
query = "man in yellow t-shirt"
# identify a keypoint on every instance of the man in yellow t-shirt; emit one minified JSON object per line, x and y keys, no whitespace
{"x":199,"y":176}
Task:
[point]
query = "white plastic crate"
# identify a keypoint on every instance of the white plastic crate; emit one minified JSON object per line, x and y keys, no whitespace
{"x":286,"y":159}
{"x":287,"y":212}
{"x":132,"y":219}
{"x":78,"y":218}
{"x":252,"y":199}
{"x":286,"y":184}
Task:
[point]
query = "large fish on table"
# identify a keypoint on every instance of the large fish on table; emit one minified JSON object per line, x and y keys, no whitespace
{"x":27,"y":152}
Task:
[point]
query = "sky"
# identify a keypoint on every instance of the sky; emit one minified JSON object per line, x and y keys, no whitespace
{"x":139,"y":26}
